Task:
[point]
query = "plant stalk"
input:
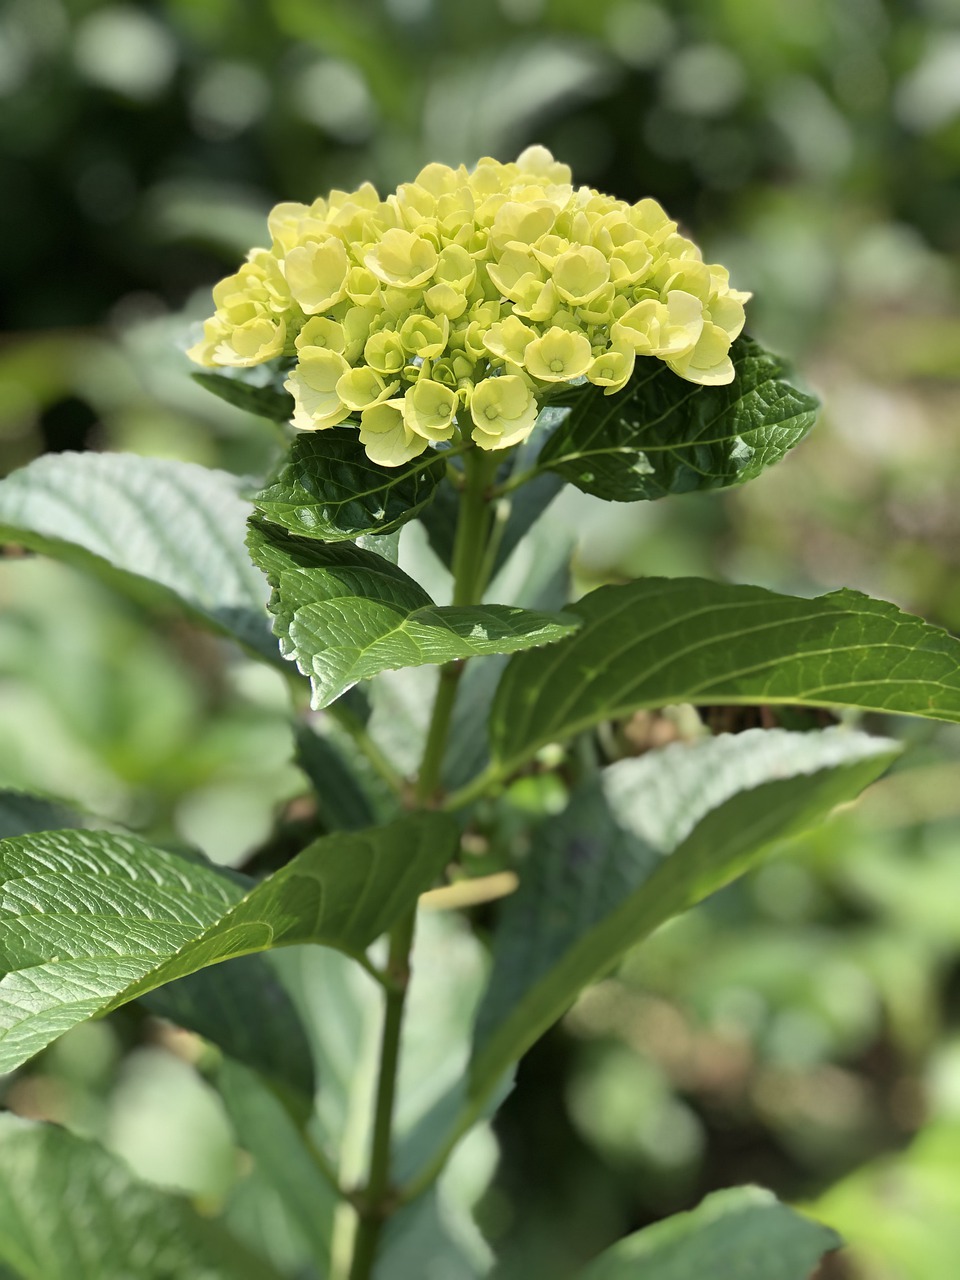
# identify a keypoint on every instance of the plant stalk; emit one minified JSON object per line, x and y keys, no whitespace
{"x":378,"y":1200}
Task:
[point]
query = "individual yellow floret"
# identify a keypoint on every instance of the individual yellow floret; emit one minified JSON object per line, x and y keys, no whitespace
{"x":580,"y":274}
{"x":559,"y":356}
{"x":503,"y":410}
{"x":313,"y":385}
{"x":429,"y":409}
{"x":361,"y":388}
{"x":402,"y":258}
{"x":386,"y":437}
{"x":667,"y":329}
{"x":317,"y":274}
{"x":613,"y":368}
{"x":509,"y":339}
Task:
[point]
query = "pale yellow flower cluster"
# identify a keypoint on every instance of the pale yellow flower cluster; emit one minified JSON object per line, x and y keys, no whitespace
{"x":464,"y":301}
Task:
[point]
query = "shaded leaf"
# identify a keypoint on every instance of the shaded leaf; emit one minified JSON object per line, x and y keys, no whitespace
{"x":660,"y":641}
{"x":344,"y":614}
{"x":91,"y":920}
{"x":244,"y":1009}
{"x":662,"y":434}
{"x":21,"y":813}
{"x":165,"y":532}
{"x":71,"y":1211}
{"x":732,"y":1235}
{"x":328,"y":488}
{"x":647,"y":839}
{"x":342,"y":799}
{"x":281,"y":1158}
{"x":265,"y":400}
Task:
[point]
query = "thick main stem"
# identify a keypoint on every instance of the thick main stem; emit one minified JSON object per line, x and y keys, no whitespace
{"x":377,"y":1201}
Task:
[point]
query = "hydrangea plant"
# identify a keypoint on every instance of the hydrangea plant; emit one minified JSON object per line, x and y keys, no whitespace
{"x":452,"y":356}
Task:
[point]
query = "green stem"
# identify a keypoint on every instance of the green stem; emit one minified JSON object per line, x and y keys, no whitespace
{"x":473,"y":528}
{"x":475,"y":789}
{"x":378,"y":1200}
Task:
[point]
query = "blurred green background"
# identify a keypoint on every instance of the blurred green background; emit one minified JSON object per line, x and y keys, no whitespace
{"x":802,"y":1029}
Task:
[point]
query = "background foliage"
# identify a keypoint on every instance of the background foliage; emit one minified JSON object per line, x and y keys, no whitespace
{"x":809,"y":147}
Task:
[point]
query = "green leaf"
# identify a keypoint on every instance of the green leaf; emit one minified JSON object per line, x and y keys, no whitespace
{"x":91,"y":920}
{"x":21,"y":813}
{"x":647,"y":839}
{"x":732,"y":1235}
{"x":265,"y":1130}
{"x":666,"y":640}
{"x":344,"y":614}
{"x":264,"y":400}
{"x":662,"y":434}
{"x":71,"y":1211}
{"x":244,"y":1009}
{"x":342,"y":798}
{"x":165,"y":532}
{"x":328,"y":488}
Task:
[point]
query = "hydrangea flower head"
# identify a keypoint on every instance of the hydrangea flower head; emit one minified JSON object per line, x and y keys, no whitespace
{"x":467,"y":299}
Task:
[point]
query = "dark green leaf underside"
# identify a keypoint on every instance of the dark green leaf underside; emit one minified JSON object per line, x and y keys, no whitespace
{"x":243,"y":1008}
{"x":666,"y":640}
{"x":344,"y":614}
{"x":328,"y":488}
{"x":648,"y":839}
{"x":21,"y":813}
{"x":264,"y":401}
{"x":663,"y":435}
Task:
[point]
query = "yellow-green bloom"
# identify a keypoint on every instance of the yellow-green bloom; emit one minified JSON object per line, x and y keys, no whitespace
{"x":667,"y":329}
{"x":384,"y":352}
{"x":509,"y":339}
{"x":708,"y":362}
{"x":321,"y":332}
{"x":457,"y":306}
{"x":504,"y":411}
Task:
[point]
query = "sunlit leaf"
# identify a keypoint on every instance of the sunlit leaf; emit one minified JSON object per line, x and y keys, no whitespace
{"x":168,"y":533}
{"x":91,"y":920}
{"x":660,"y":641}
{"x":344,"y":614}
